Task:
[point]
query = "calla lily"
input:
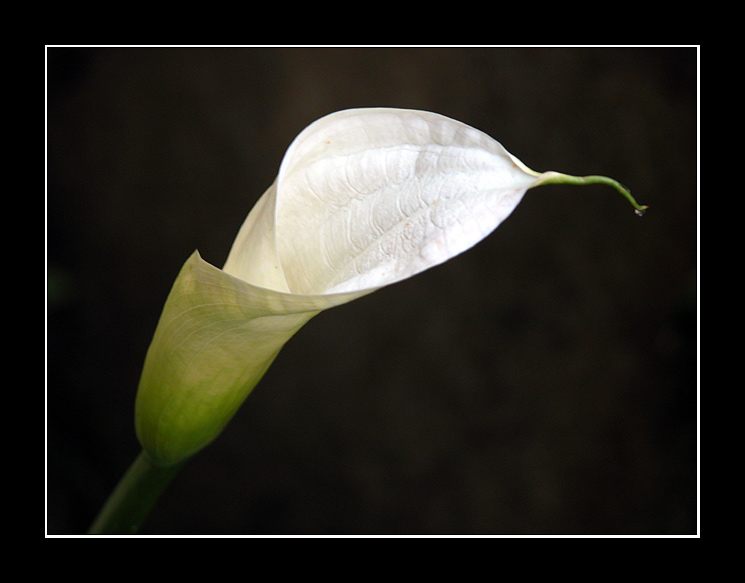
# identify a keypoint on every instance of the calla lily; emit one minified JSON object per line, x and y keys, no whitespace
{"x":364,"y":198}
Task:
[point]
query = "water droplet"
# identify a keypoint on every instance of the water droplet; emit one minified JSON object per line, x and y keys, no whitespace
{"x":639,"y":212}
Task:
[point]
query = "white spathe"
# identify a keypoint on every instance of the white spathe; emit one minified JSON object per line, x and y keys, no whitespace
{"x":367,"y":197}
{"x":364,"y":198}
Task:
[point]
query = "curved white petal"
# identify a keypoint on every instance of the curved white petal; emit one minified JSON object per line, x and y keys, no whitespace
{"x":368,"y":197}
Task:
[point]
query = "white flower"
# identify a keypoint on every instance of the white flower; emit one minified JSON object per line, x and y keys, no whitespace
{"x":364,"y":198}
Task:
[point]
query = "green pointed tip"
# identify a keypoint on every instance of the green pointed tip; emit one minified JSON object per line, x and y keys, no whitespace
{"x":558,"y":178}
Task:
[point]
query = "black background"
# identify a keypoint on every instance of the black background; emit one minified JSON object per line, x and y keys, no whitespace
{"x":542,"y":383}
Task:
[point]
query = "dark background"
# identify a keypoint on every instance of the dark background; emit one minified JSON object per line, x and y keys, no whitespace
{"x":545,"y":382}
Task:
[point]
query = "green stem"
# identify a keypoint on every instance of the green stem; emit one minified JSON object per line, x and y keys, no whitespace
{"x":131,"y":501}
{"x":558,"y":178}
